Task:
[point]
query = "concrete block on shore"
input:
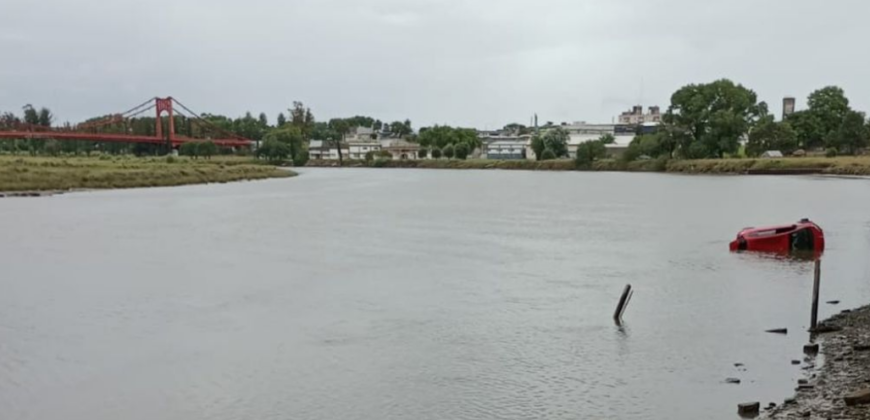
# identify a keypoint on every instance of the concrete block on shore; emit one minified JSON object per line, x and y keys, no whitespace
{"x":778,"y":331}
{"x":748,"y":409}
{"x":811,"y":348}
{"x":858,"y":397}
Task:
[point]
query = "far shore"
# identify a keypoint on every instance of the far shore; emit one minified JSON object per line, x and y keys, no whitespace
{"x":846,"y":166}
{"x":28,"y":176}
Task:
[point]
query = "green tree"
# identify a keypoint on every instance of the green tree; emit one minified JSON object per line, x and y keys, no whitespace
{"x":830,"y":106}
{"x":436,"y":153}
{"x":851,"y":135}
{"x":607,"y":138}
{"x":45,"y":117}
{"x":339,"y":129}
{"x":589,"y":152}
{"x":538,"y":146}
{"x":302,"y":118}
{"x":52,"y":147}
{"x":401,"y":128}
{"x":300,"y":158}
{"x":650,"y":145}
{"x":274,"y":150}
{"x":422,"y":153}
{"x":281,"y":120}
{"x":189,"y":149}
{"x":441,"y":136}
{"x":206,"y":149}
{"x":548,"y":154}
{"x":555,"y":139}
{"x":771,"y":135}
{"x":449,"y":151}
{"x":461,"y":151}
{"x":249,"y":127}
{"x":698,"y":150}
{"x":369,"y":156}
{"x":31,"y":116}
{"x":827,"y":109}
{"x":264,"y":120}
{"x":291,"y":136}
{"x":715,"y":115}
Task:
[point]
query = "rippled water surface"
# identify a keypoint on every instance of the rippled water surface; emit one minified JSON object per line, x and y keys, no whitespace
{"x":411,"y":294}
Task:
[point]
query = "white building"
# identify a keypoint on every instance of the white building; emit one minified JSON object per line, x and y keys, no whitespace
{"x":582,"y":132}
{"x":321,"y":150}
{"x":358,"y":149}
{"x":505,"y":147}
{"x":636,"y":116}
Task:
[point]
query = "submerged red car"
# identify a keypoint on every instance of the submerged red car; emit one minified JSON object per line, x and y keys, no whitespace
{"x":801,"y":236}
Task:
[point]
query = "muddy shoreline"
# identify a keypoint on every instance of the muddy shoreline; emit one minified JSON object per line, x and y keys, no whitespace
{"x":841,"y":368}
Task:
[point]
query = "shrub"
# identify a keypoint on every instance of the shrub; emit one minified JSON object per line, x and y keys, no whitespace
{"x":422,"y":153}
{"x":589,"y":152}
{"x":831,"y":152}
{"x":548,"y":154}
{"x":171,"y":159}
{"x":698,"y":151}
{"x":369,"y":156}
{"x":206,"y":149}
{"x":449,"y":151}
{"x":301,"y":158}
{"x":436,"y":153}
{"x":189,"y":149}
{"x":461,"y":151}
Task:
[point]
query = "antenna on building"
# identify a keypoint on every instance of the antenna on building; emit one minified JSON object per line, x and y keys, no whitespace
{"x":640,"y":98}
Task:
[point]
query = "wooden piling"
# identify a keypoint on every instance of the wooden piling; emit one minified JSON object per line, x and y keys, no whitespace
{"x":623,"y":302}
{"x":817,"y":278}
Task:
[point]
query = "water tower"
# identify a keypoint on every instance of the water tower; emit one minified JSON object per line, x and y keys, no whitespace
{"x":787,"y":106}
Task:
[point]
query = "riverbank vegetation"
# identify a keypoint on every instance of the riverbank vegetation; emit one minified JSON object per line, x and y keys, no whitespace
{"x":26,"y":173}
{"x":842,"y":165}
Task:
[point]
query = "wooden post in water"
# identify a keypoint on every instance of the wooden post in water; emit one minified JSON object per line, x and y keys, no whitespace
{"x":623,"y":302}
{"x":817,"y":278}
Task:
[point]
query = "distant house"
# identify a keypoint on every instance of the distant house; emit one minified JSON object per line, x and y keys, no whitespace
{"x":361,"y":134}
{"x":771,"y":154}
{"x":321,"y":150}
{"x":359,"y":149}
{"x":401,"y":149}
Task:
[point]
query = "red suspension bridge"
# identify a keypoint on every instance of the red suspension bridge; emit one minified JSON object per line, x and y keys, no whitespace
{"x":90,"y":131}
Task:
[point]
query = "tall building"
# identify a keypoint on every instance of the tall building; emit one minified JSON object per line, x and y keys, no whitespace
{"x":636,"y":116}
{"x":787,"y":106}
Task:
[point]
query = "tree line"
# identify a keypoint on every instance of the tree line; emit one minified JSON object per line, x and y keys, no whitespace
{"x":712,"y":120}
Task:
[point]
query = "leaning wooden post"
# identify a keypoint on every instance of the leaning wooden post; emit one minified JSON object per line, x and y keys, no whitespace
{"x":817,"y":278}
{"x":623,"y":301}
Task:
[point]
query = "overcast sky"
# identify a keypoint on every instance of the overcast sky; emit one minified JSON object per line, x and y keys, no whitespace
{"x":480,"y":63}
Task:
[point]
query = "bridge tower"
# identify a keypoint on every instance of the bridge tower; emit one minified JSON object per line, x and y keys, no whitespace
{"x":165,"y":105}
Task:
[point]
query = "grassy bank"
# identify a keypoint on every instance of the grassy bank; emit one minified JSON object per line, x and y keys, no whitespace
{"x":811,"y":165}
{"x":24,"y":173}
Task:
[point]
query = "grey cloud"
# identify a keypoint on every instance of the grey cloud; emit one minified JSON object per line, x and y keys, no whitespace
{"x":476,"y":63}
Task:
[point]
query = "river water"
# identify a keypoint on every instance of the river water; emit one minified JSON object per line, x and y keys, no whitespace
{"x":414,"y":294}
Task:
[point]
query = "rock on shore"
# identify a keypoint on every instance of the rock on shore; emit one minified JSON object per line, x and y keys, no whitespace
{"x":841,"y":386}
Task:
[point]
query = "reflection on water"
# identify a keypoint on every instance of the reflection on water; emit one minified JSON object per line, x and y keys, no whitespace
{"x":369,"y":294}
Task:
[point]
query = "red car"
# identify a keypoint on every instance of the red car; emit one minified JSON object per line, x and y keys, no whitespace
{"x":802,"y":236}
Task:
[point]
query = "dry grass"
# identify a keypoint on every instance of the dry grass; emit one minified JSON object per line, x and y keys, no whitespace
{"x":846,"y":165}
{"x":18,"y":173}
{"x":851,"y":165}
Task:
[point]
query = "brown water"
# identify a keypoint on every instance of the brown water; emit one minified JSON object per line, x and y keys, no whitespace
{"x":413,"y":294}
